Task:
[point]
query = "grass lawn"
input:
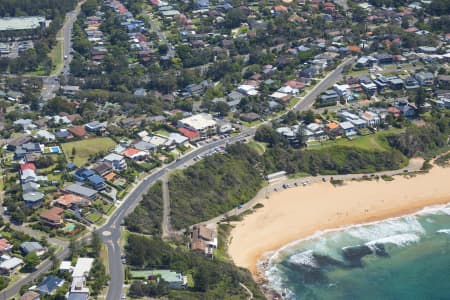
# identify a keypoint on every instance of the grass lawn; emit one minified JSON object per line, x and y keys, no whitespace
{"x":162,"y":132}
{"x":56,"y":56}
{"x":258,"y":147}
{"x":375,"y":141}
{"x":95,"y":218}
{"x":85,"y":148}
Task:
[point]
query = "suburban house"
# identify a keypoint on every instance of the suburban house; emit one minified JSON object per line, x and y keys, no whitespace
{"x":97,"y":182}
{"x":79,"y":289}
{"x":174,"y":279}
{"x":95,"y":126}
{"x":68,"y":200}
{"x":425,"y":78}
{"x":5,"y":246}
{"x":372,"y":119}
{"x":134,"y":154}
{"x":349,"y":128}
{"x":33,"y":199}
{"x":49,"y":285}
{"x":17,"y":141}
{"x":83,"y":174}
{"x":329,"y":97}
{"x":32,"y":247}
{"x":9,"y":265}
{"x":77,"y":131}
{"x":117,"y":161}
{"x":203,"y":239}
{"x":81,"y":191}
{"x":102,"y":168}
{"x":52,"y":216}
{"x":30,"y":295}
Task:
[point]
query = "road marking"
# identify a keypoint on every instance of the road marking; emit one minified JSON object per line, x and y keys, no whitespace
{"x":106,"y":233}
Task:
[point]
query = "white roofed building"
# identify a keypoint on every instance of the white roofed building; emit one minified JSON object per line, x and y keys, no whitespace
{"x":201,"y":123}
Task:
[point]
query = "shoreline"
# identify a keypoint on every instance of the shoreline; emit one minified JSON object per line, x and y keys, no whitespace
{"x":301,"y":212}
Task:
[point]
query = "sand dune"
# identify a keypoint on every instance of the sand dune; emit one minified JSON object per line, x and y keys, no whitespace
{"x":298,"y":212}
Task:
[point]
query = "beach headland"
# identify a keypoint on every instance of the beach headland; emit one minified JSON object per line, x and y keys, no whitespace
{"x":298,"y":212}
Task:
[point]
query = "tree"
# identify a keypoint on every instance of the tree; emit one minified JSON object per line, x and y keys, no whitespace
{"x":267,"y":134}
{"x":419,"y":100}
{"x":301,"y":135}
{"x":222,"y":108}
{"x":31,"y":261}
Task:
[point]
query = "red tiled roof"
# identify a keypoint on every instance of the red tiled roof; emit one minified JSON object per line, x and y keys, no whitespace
{"x":30,"y":166}
{"x":77,"y":131}
{"x":52,"y":214}
{"x":295,"y":84}
{"x":188,"y":133}
{"x":281,"y":8}
{"x":4,"y":245}
{"x":68,"y":199}
{"x":130,"y":152}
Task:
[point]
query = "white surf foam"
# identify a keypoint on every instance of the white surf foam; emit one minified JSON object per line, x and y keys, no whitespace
{"x":399,"y":240}
{"x":387,"y":228}
{"x":305,"y":258}
{"x":447,"y":231}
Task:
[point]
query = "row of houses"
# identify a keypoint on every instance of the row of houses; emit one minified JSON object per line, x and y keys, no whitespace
{"x":97,"y":40}
{"x":347,"y":124}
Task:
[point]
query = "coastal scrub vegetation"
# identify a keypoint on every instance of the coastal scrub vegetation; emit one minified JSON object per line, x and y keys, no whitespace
{"x":147,"y":216}
{"x":213,"y":279}
{"x":215,"y":185}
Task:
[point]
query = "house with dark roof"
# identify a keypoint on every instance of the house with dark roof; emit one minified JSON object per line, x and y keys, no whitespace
{"x":32,"y":247}
{"x":82,"y":191}
{"x":33,"y":199}
{"x":95,"y":126}
{"x":83,"y":174}
{"x":49,"y":285}
{"x":97,"y":182}
{"x":18,"y":141}
{"x":425,"y":78}
{"x":103,"y":168}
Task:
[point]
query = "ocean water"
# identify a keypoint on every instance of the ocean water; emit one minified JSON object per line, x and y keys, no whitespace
{"x":400,"y":259}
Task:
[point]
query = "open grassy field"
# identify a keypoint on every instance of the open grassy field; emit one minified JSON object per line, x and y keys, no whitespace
{"x":375,"y":141}
{"x":85,"y":148}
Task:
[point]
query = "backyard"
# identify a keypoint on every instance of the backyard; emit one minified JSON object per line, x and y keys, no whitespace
{"x":84,"y":149}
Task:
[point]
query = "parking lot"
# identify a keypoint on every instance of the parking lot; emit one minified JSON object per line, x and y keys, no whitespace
{"x":13,"y":49}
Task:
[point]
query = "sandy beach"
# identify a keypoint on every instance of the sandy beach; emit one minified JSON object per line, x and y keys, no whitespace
{"x":295,"y":213}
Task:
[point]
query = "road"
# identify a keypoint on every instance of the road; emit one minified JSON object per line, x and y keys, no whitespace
{"x":162,"y":37}
{"x":323,"y":85}
{"x":50,"y":84}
